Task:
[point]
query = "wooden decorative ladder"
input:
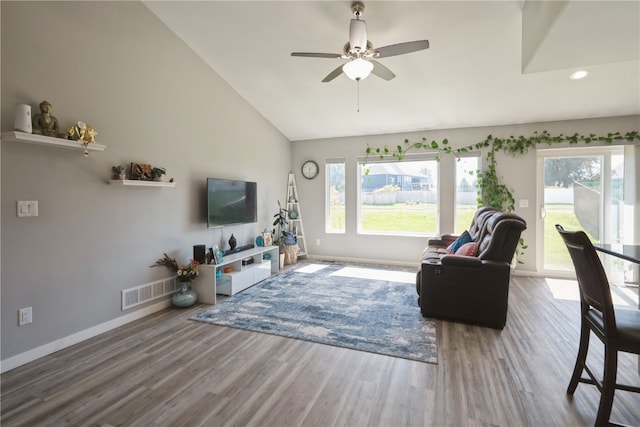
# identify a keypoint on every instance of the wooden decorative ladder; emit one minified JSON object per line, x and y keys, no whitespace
{"x":295,"y":214}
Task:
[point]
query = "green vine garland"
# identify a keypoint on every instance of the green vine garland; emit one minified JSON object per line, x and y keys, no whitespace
{"x":493,"y":192}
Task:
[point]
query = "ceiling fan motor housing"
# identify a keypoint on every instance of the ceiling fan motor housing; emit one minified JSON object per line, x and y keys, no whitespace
{"x":358,"y":36}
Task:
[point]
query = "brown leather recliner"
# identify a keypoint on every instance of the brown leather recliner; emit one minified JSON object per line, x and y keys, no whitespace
{"x":471,"y":289}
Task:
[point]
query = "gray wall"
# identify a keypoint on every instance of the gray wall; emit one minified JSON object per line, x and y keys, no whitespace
{"x":519,"y":174}
{"x":115,"y":66}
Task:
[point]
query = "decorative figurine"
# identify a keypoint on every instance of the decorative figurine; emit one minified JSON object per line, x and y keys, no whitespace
{"x":232,"y":242}
{"x":82,"y":132}
{"x":44,"y":123}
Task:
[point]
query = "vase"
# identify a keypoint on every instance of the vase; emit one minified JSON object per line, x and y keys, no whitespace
{"x":185,"y":297}
{"x":22,"y":120}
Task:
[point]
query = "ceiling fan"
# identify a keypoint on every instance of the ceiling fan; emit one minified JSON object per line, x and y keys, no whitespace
{"x":361,"y":53}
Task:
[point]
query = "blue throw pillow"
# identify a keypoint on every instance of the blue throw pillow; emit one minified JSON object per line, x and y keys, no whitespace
{"x":465,"y":237}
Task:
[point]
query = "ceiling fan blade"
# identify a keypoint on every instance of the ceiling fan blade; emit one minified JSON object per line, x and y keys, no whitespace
{"x":401,"y":48}
{"x":381,"y":71}
{"x":332,"y":75}
{"x":317,"y":55}
{"x":358,"y":35}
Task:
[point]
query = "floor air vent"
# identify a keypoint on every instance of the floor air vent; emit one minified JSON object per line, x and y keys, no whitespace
{"x":148,"y":292}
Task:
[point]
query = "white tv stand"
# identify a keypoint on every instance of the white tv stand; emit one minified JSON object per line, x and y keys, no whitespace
{"x":241,"y":277}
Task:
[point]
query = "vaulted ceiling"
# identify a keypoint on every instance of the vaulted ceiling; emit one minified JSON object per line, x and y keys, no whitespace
{"x":489,"y":63}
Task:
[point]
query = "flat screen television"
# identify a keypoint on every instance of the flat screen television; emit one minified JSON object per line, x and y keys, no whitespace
{"x":231,"y":202}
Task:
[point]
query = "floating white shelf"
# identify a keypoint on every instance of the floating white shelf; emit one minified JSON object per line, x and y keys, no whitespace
{"x":49,"y":141}
{"x":135,"y":183}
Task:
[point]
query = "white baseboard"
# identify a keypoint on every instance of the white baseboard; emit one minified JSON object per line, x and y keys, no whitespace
{"x":415,"y":264}
{"x":44,"y":350}
{"x":559,"y":275}
{"x":362,"y":261}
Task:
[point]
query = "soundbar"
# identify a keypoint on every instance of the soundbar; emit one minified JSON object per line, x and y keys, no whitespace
{"x":238,"y":249}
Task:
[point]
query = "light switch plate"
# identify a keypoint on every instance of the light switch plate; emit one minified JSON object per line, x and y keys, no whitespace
{"x":523,"y":203}
{"x":27,"y":208}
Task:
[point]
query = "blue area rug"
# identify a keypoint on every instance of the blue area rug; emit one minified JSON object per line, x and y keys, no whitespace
{"x":363,"y":308}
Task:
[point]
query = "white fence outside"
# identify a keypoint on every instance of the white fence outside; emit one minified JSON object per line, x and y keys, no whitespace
{"x":431,"y":197}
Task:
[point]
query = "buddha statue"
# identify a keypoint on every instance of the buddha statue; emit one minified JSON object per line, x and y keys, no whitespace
{"x":44,"y":123}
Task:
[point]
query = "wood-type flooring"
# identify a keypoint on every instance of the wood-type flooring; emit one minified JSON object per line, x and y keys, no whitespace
{"x":166,"y":370}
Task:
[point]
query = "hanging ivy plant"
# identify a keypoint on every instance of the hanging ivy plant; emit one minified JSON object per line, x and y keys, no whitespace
{"x":492,"y":192}
{"x":511,"y":145}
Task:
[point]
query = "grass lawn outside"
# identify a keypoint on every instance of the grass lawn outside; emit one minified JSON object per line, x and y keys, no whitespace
{"x":421,"y":219}
{"x":404,"y":218}
{"x":556,"y":255}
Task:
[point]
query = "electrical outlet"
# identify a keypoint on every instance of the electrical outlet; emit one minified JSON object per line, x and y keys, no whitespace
{"x":317,"y":242}
{"x":25,"y":316}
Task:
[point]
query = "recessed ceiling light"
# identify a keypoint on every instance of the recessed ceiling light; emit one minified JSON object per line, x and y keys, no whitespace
{"x":580,"y":74}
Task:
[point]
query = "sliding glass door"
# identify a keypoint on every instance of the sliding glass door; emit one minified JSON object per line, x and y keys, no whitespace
{"x":580,"y":190}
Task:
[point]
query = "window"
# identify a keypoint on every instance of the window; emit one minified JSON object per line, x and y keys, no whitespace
{"x":399,"y":197}
{"x":466,"y":191}
{"x":335,"y":207}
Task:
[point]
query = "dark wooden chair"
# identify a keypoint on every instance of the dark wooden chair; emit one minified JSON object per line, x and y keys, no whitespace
{"x":619,"y":330}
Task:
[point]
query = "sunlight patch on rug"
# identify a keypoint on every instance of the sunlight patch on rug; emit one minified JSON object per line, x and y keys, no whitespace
{"x":373,"y":274}
{"x":328,"y":305}
{"x":311,"y":268}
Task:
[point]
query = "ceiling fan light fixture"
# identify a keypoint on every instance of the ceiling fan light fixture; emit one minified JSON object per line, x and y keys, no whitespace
{"x":357,"y":69}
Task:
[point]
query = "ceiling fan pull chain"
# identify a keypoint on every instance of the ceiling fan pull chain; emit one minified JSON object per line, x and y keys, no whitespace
{"x":358,"y":94}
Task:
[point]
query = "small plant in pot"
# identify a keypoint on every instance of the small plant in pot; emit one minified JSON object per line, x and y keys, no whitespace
{"x":157,"y":172}
{"x":119,"y":172}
